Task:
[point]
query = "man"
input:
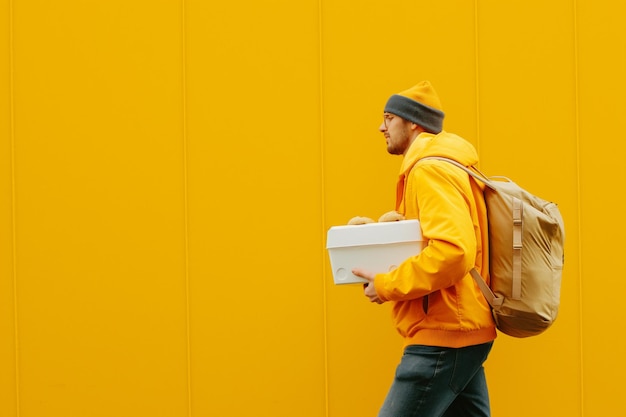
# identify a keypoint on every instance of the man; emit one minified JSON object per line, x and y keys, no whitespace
{"x":437,"y":307}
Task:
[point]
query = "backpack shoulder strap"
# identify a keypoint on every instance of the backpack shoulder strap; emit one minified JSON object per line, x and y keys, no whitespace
{"x":493,"y":300}
{"x":474,"y":172}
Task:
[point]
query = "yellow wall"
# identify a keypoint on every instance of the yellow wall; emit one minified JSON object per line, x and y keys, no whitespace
{"x":168,"y":171}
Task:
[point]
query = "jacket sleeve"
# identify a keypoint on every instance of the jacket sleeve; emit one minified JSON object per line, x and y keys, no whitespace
{"x":444,"y":204}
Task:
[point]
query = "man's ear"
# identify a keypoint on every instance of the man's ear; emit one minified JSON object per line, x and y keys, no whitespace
{"x":417,"y":128}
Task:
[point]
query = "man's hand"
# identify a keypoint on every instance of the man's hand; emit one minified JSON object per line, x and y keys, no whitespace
{"x":368,"y":288}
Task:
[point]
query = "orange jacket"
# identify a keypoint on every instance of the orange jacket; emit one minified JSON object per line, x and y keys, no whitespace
{"x":436,"y":301}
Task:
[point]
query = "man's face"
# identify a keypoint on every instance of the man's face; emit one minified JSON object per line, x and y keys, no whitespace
{"x":397,"y":132}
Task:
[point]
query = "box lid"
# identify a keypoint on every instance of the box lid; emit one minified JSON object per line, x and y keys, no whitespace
{"x":373,"y":234}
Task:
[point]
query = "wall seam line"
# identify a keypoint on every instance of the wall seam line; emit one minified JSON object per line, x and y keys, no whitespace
{"x":476,"y":81}
{"x":579,"y":204}
{"x":322,"y":206}
{"x":186,"y":200}
{"x":13,"y":202}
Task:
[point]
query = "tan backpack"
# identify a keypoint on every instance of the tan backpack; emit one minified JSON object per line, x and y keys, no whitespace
{"x":526,"y":240}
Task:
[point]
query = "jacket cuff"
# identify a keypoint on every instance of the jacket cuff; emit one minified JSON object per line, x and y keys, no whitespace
{"x":379,"y":286}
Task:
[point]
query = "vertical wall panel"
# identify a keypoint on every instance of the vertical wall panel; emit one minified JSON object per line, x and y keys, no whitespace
{"x":602,"y":65}
{"x":370,"y":52}
{"x":528,"y":132}
{"x":8,"y":391}
{"x":256,"y":288}
{"x":99,"y":180}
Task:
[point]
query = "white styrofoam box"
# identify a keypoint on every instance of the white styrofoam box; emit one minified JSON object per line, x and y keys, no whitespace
{"x":376,"y":247}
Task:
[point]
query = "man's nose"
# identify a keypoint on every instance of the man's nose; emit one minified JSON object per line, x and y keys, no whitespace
{"x":382,"y":128}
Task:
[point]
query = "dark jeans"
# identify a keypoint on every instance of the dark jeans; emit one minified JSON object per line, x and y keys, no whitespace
{"x":439,"y":382}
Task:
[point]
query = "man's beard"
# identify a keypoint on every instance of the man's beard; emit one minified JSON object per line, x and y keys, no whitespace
{"x":399,"y":147}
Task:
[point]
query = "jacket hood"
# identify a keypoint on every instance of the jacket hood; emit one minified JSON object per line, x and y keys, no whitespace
{"x":443,"y":144}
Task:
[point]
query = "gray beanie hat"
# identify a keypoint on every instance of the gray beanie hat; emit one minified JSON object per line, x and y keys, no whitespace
{"x":420,"y":105}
